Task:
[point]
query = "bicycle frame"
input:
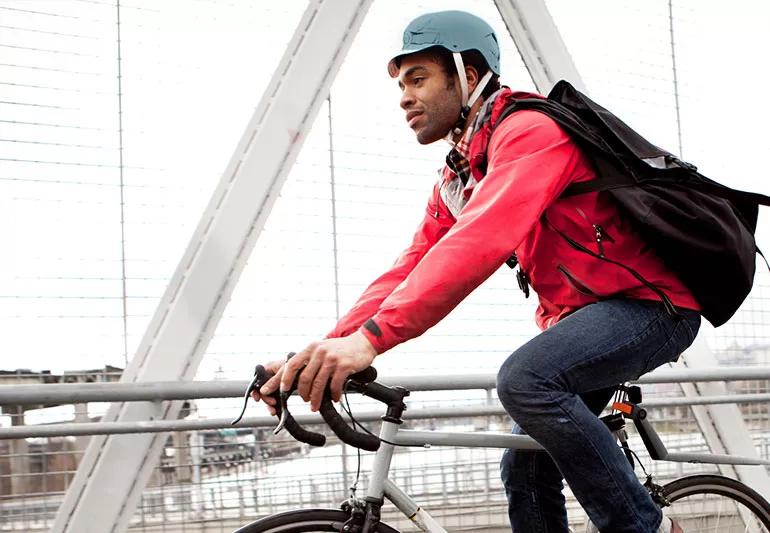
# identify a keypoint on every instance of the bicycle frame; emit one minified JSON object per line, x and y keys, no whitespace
{"x":380,"y":486}
{"x":626,"y":406}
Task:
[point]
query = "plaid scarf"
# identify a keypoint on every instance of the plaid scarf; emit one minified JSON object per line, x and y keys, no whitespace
{"x":457,"y":159}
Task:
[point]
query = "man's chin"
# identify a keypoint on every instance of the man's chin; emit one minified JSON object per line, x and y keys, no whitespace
{"x":424,"y":137}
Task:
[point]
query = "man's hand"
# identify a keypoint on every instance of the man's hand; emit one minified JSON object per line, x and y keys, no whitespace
{"x":330,"y":359}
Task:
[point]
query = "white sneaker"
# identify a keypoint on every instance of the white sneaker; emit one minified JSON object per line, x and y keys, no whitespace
{"x":667,"y":525}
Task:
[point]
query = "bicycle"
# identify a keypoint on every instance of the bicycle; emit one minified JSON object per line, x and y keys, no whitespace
{"x":701,"y":502}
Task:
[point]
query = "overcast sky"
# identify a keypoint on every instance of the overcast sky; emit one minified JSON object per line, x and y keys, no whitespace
{"x":78,"y":287}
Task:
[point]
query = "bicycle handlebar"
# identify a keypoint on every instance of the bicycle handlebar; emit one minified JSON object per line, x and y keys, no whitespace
{"x":331,"y":416}
{"x":293,"y":427}
{"x":347,"y":434}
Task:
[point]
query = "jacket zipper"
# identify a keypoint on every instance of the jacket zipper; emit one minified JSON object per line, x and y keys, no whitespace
{"x":600,"y":234}
{"x":576,"y":284}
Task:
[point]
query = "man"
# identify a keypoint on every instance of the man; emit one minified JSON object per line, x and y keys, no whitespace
{"x":499,"y":195}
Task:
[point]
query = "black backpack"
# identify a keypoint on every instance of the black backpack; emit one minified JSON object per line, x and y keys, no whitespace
{"x":701,"y":230}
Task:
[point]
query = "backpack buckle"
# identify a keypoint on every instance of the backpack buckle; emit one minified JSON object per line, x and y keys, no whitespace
{"x":523,"y":280}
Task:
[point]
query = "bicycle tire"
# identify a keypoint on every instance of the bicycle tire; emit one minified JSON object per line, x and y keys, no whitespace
{"x":690,"y":490}
{"x":304,"y":521}
{"x":715,"y":485}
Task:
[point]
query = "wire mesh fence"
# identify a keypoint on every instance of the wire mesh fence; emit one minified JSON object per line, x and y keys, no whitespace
{"x":103,"y":175}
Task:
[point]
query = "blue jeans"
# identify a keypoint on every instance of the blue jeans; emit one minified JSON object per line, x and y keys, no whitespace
{"x":555,"y":385}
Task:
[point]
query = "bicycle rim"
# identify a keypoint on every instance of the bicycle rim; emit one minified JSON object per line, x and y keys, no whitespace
{"x":304,"y":521}
{"x":710,"y":503}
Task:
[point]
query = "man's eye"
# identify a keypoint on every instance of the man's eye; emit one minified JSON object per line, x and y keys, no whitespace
{"x":418,"y":81}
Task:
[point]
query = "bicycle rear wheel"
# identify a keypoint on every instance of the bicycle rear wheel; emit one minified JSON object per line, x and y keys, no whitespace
{"x":706,"y":503}
{"x":304,"y":521}
{"x":716,"y":504}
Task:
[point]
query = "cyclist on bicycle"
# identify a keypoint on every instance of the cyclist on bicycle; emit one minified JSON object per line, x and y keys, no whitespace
{"x":499,"y":195}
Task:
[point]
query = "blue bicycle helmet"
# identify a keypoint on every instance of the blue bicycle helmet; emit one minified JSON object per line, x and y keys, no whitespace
{"x":455,"y":31}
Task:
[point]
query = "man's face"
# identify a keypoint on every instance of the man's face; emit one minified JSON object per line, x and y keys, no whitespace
{"x":431,"y":98}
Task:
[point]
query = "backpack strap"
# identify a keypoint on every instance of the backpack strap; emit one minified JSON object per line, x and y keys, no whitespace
{"x":587,"y":139}
{"x":733,"y":195}
{"x":566,"y":118}
{"x":763,"y":257}
{"x":605,"y":183}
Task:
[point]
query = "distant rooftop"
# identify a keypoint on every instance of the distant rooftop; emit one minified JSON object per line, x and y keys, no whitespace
{"x":24,"y":375}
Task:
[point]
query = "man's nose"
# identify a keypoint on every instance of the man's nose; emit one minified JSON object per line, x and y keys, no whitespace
{"x":407,"y":100}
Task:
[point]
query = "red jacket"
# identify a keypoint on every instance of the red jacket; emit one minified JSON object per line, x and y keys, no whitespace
{"x":530,"y":161}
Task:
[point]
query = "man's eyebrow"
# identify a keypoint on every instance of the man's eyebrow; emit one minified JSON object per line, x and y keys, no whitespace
{"x":412,"y":70}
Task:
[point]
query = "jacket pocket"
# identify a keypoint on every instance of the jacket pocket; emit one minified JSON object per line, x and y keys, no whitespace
{"x":576,"y":284}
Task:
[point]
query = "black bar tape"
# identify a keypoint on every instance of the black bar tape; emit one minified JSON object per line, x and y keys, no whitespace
{"x":291,"y":425}
{"x":367,"y":375}
{"x":297,"y":431}
{"x":346,"y":434}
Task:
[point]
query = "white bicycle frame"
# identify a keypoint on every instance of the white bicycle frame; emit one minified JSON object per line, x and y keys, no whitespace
{"x":380,"y":486}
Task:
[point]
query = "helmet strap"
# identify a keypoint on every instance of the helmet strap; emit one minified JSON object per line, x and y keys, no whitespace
{"x":461,"y":74}
{"x":467,"y":102}
{"x":479,"y":88}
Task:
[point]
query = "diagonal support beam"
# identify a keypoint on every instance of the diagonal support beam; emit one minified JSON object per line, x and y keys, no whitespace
{"x":114,"y":470}
{"x":539,"y":43}
{"x":723,"y":426}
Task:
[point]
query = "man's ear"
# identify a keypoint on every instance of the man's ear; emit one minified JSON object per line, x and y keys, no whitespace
{"x":472,"y":75}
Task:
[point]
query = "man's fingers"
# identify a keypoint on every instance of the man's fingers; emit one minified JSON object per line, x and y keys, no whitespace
{"x":307,"y":377}
{"x":271,"y":384}
{"x":319,"y":385}
{"x":293,"y":366}
{"x":274,"y":366}
{"x":269,"y":400}
{"x":338,"y":380}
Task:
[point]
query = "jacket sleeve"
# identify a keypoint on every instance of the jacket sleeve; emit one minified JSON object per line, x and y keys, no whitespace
{"x":434,"y":226}
{"x":531,"y":161}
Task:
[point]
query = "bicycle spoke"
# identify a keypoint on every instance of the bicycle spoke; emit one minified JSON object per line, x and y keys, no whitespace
{"x":713,"y":513}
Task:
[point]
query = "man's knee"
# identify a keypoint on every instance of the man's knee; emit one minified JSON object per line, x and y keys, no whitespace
{"x":516,"y":383}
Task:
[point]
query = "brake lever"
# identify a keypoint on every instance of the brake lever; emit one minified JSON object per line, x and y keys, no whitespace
{"x":261,"y":376}
{"x":283,"y":398}
{"x":256,"y":383}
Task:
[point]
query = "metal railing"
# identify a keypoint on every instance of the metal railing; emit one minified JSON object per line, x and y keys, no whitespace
{"x":216,"y":477}
{"x":56,"y":394}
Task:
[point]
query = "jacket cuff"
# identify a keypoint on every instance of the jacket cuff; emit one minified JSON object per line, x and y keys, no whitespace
{"x":374,"y":335}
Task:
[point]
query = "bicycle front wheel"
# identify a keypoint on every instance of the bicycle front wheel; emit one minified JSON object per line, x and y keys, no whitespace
{"x":305,"y":521}
{"x":713,"y":503}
